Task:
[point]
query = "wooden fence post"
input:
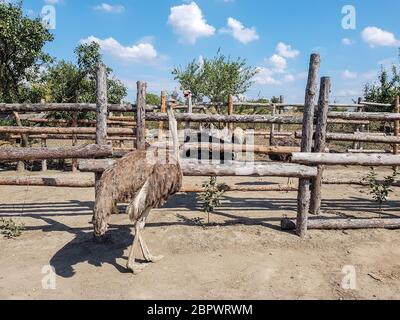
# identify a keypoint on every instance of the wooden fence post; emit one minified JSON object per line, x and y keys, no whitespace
{"x":303,"y":198}
{"x":282,"y":101}
{"x":230,"y":111}
{"x":163,"y":110}
{"x":189,"y":111}
{"x":272,"y":134}
{"x":141,"y":116}
{"x":44,"y":162}
{"x":320,"y":142}
{"x":396,"y":148}
{"x":74,"y":140}
{"x":101,"y":112}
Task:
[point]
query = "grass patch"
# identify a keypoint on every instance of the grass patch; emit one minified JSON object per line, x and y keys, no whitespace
{"x":10,"y":229}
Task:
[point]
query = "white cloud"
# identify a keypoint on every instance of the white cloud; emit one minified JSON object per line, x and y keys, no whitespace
{"x":289,"y":78}
{"x":135,"y":53}
{"x":105,"y":7}
{"x":286,"y":50}
{"x":347,"y":74}
{"x":347,"y":42}
{"x":188,"y":22}
{"x":53,"y":1}
{"x":377,"y":37}
{"x":278,"y":63}
{"x":265,"y":76}
{"x":240,"y":32}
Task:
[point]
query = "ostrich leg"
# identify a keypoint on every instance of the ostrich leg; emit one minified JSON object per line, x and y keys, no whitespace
{"x":132,"y":265}
{"x":146,"y":252}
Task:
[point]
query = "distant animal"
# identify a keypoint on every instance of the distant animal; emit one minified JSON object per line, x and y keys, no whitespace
{"x":148,"y":183}
{"x":283,"y":142}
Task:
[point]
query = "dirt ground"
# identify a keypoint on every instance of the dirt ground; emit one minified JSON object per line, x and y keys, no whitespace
{"x":244,"y":255}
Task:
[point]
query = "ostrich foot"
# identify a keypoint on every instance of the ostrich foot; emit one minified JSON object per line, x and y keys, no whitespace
{"x":136,"y":268}
{"x":154,"y":259}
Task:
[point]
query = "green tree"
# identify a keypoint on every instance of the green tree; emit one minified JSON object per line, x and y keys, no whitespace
{"x":21,"y":51}
{"x":215,"y":78}
{"x":385,"y":91}
{"x":70,"y":83}
{"x":153,"y":99}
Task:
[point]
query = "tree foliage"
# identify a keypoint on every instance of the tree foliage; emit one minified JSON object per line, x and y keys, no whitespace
{"x":385,"y":91}
{"x":21,"y":51}
{"x":215,"y":78}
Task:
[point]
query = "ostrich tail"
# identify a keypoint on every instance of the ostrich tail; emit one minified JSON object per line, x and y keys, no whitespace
{"x":138,"y":206}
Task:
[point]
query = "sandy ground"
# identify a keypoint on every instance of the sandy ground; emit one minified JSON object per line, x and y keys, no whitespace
{"x":244,"y":255}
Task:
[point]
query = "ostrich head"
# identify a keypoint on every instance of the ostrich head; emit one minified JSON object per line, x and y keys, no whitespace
{"x":173,"y":128}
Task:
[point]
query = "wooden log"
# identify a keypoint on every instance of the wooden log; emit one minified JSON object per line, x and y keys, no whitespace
{"x":44,"y":162}
{"x":235,"y":188}
{"x":396,"y":149}
{"x":282,"y":101}
{"x":355,"y":182}
{"x":344,"y":224}
{"x":141,"y":116}
{"x":349,"y":122}
{"x":80,"y":122}
{"x":331,"y":159}
{"x":24,"y":142}
{"x":225,"y":148}
{"x":366,"y":151}
{"x":303,"y":197}
{"x":69,"y":107}
{"x":69,"y":137}
{"x":370,"y":116}
{"x":375,"y":104}
{"x":230,"y":111}
{"x":361,"y":137}
{"x":184,"y":117}
{"x":164,"y":96}
{"x":232,"y":169}
{"x":101,"y":115}
{"x":89,"y":183}
{"x":63,"y":131}
{"x":86,"y":152}
{"x":320,"y":143}
{"x":46,"y":182}
{"x":271,"y":135}
{"x":74,"y":140}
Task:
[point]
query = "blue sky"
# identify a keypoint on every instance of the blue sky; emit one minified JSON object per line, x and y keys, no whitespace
{"x":143,"y":40}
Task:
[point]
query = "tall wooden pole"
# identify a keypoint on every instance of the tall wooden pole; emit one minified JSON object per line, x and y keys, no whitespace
{"x":303,"y":198}
{"x":320,"y":142}
{"x":74,"y":140}
{"x":163,"y":110}
{"x":281,"y":100}
{"x":272,"y":135}
{"x":101,"y":112}
{"x":397,"y":125}
{"x":141,"y":116}
{"x":230,"y":111}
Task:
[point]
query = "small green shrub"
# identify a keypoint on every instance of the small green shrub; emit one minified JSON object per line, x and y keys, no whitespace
{"x":212,"y":196}
{"x":380,"y":189}
{"x":10,"y":229}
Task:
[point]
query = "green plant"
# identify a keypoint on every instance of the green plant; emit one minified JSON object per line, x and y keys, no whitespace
{"x":10,"y":229}
{"x":380,"y":189}
{"x":212,"y":195}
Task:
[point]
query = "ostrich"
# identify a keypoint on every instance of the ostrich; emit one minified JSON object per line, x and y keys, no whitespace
{"x":148,"y":184}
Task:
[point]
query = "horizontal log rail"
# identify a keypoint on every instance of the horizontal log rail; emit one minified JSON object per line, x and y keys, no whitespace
{"x":370,"y":160}
{"x":190,"y":117}
{"x":231,"y":169}
{"x":235,"y":148}
{"x":69,"y":107}
{"x":70,"y":137}
{"x":79,"y":122}
{"x":359,"y":137}
{"x":370,"y":116}
{"x":342,"y":224}
{"x":64,"y":130}
{"x":86,"y":152}
{"x":90,"y":183}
